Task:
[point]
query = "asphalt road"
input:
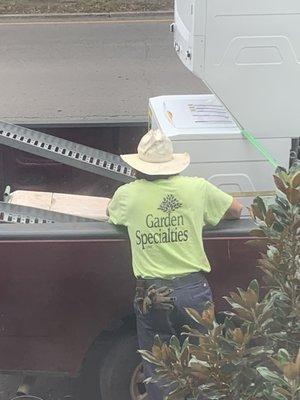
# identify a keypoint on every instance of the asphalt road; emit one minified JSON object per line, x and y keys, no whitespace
{"x":46,"y":388}
{"x":87,"y":69}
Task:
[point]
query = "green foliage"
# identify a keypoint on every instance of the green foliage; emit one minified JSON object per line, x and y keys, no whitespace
{"x":253,"y":353}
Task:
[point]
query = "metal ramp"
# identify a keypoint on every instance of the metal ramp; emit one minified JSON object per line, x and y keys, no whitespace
{"x":63,"y":151}
{"x":66,"y":152}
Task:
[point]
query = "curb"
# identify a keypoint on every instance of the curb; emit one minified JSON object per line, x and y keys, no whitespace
{"x":101,"y":121}
{"x":111,"y":15}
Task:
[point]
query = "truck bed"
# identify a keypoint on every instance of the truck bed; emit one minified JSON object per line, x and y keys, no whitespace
{"x":65,"y":284}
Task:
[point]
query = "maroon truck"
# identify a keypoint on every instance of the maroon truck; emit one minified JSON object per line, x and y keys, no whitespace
{"x":67,"y":288}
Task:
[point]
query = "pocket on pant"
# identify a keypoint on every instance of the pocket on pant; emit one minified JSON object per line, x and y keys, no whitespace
{"x":201,"y":291}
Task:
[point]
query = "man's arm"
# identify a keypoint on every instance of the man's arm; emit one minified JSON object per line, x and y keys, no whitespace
{"x":116,"y":208}
{"x":234,"y":211}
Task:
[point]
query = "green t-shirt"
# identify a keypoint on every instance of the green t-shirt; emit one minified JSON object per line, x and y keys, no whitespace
{"x":165,"y":219}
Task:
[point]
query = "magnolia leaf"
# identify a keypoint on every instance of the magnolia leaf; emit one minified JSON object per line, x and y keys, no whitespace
{"x":279,"y":169}
{"x":251,"y":298}
{"x":255,"y":351}
{"x":228,"y":324}
{"x":282,"y":173}
{"x":284,"y":392}
{"x":278,"y":227}
{"x":295,"y":167}
{"x":166,"y":353}
{"x":280,"y":184}
{"x":265,"y":309}
{"x":279,"y":210}
{"x":156,"y":351}
{"x":264,"y":325}
{"x":157,"y":341}
{"x":146,"y":355}
{"x":184,"y":357}
{"x":194,"y":315}
{"x":295,"y":181}
{"x":260,"y":244}
{"x":257,"y":233}
{"x":282,"y":203}
{"x":238,"y":336}
{"x":293,"y":196}
{"x":233,"y":303}
{"x":255,"y":287}
{"x":271,"y":376}
{"x":148,"y":380}
{"x":278,"y":396}
{"x":277,"y":363}
{"x":298,"y":360}
{"x":198,"y":352}
{"x":175,"y":345}
{"x":244,"y":315}
{"x":296,"y":225}
{"x":291,"y":371}
{"x":198,"y":367}
{"x":185,"y":345}
{"x":258,"y":208}
{"x":283,"y":356}
{"x":179,"y":394}
{"x":188,"y":331}
{"x":206,"y":319}
{"x":266,"y":264}
{"x":268,"y":390}
{"x":194,"y":361}
{"x":270,"y":218}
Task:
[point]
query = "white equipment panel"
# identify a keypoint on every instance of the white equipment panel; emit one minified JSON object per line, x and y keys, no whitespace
{"x":248,"y":53}
{"x":201,"y":126}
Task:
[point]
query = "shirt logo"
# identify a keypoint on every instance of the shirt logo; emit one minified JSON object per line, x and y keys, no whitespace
{"x":169,"y":204}
{"x":168,"y":228}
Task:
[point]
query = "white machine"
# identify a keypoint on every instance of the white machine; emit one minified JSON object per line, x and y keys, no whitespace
{"x":201,"y":125}
{"x":248,"y":54}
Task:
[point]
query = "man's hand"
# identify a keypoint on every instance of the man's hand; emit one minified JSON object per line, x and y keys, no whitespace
{"x":234,"y":211}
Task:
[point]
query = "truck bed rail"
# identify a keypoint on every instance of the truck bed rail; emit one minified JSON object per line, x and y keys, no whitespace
{"x":106,"y":231}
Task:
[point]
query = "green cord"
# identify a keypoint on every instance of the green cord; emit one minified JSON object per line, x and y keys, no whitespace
{"x":260,"y":148}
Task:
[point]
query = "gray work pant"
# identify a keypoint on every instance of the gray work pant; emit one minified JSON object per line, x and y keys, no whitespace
{"x":193,"y":292}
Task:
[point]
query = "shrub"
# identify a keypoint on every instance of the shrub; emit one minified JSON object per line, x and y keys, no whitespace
{"x":254,"y":353}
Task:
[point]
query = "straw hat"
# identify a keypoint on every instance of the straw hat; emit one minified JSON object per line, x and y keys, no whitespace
{"x":155,"y":156}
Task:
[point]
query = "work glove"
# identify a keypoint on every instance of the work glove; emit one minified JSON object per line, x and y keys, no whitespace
{"x":153,"y":298}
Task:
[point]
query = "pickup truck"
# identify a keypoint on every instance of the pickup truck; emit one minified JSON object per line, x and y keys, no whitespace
{"x":67,"y":288}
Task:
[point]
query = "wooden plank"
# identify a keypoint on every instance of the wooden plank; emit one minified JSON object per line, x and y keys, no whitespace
{"x":83,"y":206}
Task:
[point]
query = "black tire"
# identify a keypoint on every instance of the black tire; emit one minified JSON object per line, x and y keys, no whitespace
{"x":118,"y":368}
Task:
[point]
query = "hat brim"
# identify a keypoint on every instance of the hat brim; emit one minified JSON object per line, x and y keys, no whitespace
{"x":178,"y":164}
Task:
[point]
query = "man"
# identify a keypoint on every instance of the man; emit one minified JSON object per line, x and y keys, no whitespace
{"x":165,"y":214}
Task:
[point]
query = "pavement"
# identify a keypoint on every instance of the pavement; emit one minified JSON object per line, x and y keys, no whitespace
{"x":46,"y":388}
{"x":88,"y":69}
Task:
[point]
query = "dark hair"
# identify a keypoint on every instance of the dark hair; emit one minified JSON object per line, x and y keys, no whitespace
{"x":151,"y":178}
